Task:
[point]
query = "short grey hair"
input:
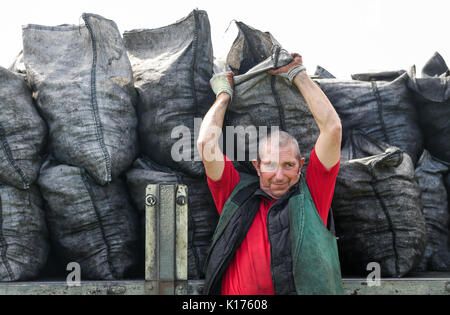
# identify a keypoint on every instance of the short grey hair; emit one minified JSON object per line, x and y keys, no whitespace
{"x":284,"y":139}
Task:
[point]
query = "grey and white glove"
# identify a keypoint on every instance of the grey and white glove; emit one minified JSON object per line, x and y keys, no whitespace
{"x":290,"y":70}
{"x":222,"y":83}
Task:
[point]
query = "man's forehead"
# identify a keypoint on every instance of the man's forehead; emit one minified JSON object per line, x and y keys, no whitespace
{"x":275,"y":152}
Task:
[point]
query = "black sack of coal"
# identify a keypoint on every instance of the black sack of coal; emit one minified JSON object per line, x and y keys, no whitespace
{"x":430,"y":175}
{"x":95,"y":226}
{"x":262,"y":101}
{"x":202,"y":213}
{"x":433,"y":105}
{"x":84,"y":89}
{"x":23,"y":133}
{"x":378,"y":76}
{"x":172,"y":67}
{"x":322,"y":73}
{"x":447,"y":184}
{"x":377,"y":208}
{"x":24,"y":244}
{"x":435,"y":67}
{"x":250,"y":48}
{"x":381,"y":106}
{"x":18,"y":66}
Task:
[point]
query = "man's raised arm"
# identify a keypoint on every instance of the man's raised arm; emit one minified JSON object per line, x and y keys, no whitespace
{"x":211,"y":127}
{"x":328,"y":145}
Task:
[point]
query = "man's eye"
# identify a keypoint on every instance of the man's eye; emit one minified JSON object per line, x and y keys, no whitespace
{"x":270,"y":166}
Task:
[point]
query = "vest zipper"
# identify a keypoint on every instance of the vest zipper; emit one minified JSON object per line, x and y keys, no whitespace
{"x":270,"y":243}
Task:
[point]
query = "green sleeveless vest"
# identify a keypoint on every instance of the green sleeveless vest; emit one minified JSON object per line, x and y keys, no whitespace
{"x":315,"y":260}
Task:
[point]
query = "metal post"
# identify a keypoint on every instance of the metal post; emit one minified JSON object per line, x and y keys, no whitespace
{"x":166,"y":239}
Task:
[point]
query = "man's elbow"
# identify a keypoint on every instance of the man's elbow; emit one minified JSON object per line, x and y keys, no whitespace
{"x":334,"y":130}
{"x":208,"y":143}
{"x":201,"y":143}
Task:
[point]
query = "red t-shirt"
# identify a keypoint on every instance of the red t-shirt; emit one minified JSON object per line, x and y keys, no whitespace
{"x":249,"y":271}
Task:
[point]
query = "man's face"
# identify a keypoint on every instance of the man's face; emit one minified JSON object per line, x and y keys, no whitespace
{"x":278,"y":170}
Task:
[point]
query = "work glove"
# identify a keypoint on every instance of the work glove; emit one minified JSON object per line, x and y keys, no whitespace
{"x":290,"y":70}
{"x":222,"y":83}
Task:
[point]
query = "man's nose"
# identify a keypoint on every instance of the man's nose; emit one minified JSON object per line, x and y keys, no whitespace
{"x":279,"y":175}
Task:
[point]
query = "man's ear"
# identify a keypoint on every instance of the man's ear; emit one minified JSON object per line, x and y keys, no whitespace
{"x":302,"y":161}
{"x":256,"y":166}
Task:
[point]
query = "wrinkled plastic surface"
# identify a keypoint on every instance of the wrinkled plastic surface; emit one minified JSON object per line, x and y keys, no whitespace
{"x":378,"y":76}
{"x":85,"y":92}
{"x":435,"y":67}
{"x":264,"y":100}
{"x":18,"y":66}
{"x":430,"y":175}
{"x":433,"y":104}
{"x":95,"y":226}
{"x":377,"y":209}
{"x":202,"y":215}
{"x":250,"y":48}
{"x":172,"y":67}
{"x":24,"y":244}
{"x":322,"y":73}
{"x":23,"y":133}
{"x":384,"y":110}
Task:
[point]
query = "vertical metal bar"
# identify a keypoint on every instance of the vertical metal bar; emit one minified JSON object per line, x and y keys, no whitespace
{"x":166,"y":239}
{"x":181,"y":243}
{"x":166,"y":245}
{"x":151,"y":239}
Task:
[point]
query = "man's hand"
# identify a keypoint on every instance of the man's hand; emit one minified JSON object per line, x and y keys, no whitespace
{"x":291,"y":70}
{"x":222,"y":83}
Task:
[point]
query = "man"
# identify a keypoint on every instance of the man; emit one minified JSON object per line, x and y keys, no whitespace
{"x":271,"y":237}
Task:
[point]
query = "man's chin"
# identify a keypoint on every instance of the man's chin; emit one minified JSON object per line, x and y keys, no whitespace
{"x":278,"y":193}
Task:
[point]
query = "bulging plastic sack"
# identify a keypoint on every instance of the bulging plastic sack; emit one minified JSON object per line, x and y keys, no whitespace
{"x":23,"y":133}
{"x":84,"y":88}
{"x":432,"y":97}
{"x":380,"y":105}
{"x":172,"y":67}
{"x":24,"y":244}
{"x":262,"y":101}
{"x":430,"y":175}
{"x":377,"y":208}
{"x":95,"y":226}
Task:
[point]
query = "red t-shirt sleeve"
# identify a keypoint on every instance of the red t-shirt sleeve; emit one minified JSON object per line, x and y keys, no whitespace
{"x":222,"y":188}
{"x":321,"y":183}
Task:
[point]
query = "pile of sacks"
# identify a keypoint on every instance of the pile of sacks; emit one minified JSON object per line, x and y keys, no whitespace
{"x":63,"y":151}
{"x":89,"y":118}
{"x":390,"y":201}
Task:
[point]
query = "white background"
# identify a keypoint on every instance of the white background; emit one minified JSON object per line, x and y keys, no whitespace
{"x":343,"y":36}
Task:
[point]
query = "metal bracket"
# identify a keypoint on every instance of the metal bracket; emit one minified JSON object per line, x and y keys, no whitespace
{"x":166,"y":239}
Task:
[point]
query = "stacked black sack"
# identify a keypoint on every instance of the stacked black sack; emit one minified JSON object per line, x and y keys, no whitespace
{"x":84,"y":86}
{"x":263,"y":100}
{"x":23,"y":233}
{"x":430,"y":174}
{"x":83,"y":83}
{"x":172,"y":67}
{"x":23,"y":133}
{"x":432,"y":94}
{"x":24,"y":242}
{"x":377,"y":208}
{"x":95,"y":226}
{"x":380,"y":105}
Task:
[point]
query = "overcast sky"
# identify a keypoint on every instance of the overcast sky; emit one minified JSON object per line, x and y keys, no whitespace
{"x":343,"y":36}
